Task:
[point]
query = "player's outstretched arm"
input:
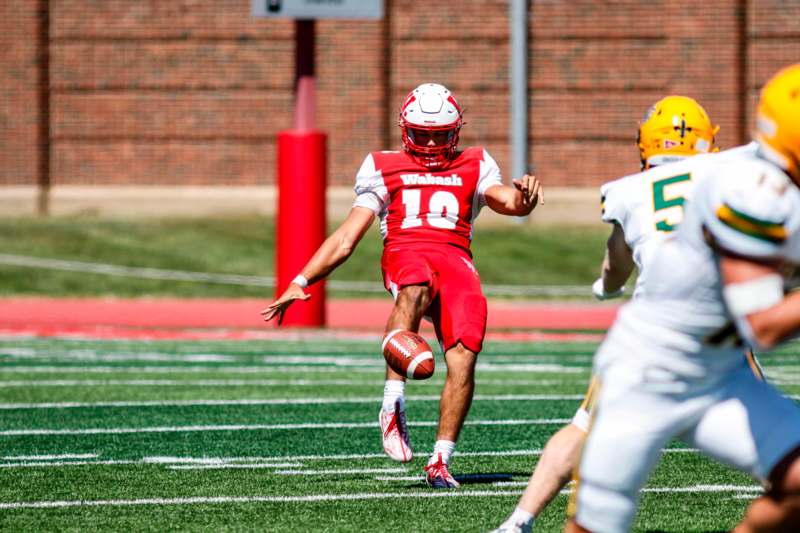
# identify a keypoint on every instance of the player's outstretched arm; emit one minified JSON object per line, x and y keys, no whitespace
{"x":617,"y":266}
{"x":333,"y":252}
{"x":754,"y":294}
{"x":518,"y":200}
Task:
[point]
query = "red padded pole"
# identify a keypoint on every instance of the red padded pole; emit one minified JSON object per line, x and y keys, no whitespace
{"x":302,"y":171}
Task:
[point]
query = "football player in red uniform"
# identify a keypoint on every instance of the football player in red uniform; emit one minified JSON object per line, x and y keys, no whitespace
{"x":426,"y":198}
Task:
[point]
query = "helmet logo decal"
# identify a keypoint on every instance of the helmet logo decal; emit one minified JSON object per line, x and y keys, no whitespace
{"x":766,"y":126}
{"x":411,"y":99}
{"x":455,"y":104}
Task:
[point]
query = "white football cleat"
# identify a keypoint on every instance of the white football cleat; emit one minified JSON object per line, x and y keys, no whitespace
{"x":438,"y":477}
{"x":513,"y":527}
{"x":396,"y":443}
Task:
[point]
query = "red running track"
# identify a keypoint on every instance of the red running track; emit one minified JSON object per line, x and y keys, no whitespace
{"x":364,"y":314}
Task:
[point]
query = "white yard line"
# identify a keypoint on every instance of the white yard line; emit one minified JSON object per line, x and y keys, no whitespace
{"x":50,"y":457}
{"x":531,"y":368}
{"x":336,"y":457}
{"x":747,"y":490}
{"x":247,"y":466}
{"x":543,"y":368}
{"x":51,"y":464}
{"x":282,"y":401}
{"x":284,"y":362}
{"x":346,"y":471}
{"x":289,"y":460}
{"x":184,"y":383}
{"x":254,"y":427}
{"x":399,"y":496}
{"x":269,"y":360}
{"x":231,"y":369}
{"x":187,"y":369}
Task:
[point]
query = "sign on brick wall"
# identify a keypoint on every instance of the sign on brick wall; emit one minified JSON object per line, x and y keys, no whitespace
{"x":318,"y":9}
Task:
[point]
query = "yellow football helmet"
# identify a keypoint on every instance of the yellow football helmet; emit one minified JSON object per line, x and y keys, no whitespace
{"x":778,"y":120}
{"x":674,"y":128}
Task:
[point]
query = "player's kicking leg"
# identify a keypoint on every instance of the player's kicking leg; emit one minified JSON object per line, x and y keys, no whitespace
{"x":411,"y":303}
{"x":454,"y":405}
{"x":459,"y":316}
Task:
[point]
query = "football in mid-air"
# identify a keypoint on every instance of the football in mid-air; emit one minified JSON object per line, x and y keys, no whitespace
{"x":408,"y":354}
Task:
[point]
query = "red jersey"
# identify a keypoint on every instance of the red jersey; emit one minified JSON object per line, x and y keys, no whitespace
{"x":417,"y":205}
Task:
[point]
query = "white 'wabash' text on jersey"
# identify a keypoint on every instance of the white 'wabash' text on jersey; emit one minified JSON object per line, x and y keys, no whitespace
{"x":417,"y":205}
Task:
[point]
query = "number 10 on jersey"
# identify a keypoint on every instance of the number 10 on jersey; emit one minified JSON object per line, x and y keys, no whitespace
{"x":442,"y":211}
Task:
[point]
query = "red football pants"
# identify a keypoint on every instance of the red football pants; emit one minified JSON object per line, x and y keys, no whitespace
{"x":458,"y":306}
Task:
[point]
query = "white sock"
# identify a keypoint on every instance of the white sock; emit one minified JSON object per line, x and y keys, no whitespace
{"x":445,"y":448}
{"x":393,"y":390}
{"x":521,"y":518}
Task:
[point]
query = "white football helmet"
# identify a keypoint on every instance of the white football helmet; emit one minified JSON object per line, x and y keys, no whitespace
{"x":430,"y":120}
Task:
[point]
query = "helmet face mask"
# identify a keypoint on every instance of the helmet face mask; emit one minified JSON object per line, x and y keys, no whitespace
{"x":430,"y":121}
{"x":430,"y":137}
{"x":778,"y":121}
{"x":674,"y":128}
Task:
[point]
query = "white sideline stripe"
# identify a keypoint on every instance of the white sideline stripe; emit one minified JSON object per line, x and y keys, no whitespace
{"x":544,"y":368}
{"x":178,"y":382}
{"x":706,"y":488}
{"x":281,"y":401}
{"x":46,"y":464}
{"x":27,"y":369}
{"x":249,"y":466}
{"x":333,"y":356}
{"x":253,"y":427}
{"x":749,"y":489}
{"x":346,"y":471}
{"x":485,"y":367}
{"x":258,"y":281}
{"x":174,"y":464}
{"x":275,"y":360}
{"x":342,"y":457}
{"x":187,"y":369}
{"x":226,"y":461}
{"x":160,"y":459}
{"x":335,"y":360}
{"x":329,"y":497}
{"x":50,"y":457}
{"x":254,"y":499}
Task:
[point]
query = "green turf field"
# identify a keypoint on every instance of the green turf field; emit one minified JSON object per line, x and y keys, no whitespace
{"x":283,"y":436}
{"x":515,"y":254}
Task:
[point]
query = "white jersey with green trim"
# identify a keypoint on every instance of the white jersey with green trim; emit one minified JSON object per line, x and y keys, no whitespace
{"x":681,"y":325}
{"x":649,"y":205}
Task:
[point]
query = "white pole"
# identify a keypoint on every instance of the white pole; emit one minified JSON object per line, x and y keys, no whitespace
{"x":518,"y":21}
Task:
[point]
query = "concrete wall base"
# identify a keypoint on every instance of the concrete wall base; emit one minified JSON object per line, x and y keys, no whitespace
{"x":574,"y":206}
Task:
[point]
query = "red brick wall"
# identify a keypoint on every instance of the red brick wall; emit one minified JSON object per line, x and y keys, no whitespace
{"x":19,"y":111}
{"x":193,"y":91}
